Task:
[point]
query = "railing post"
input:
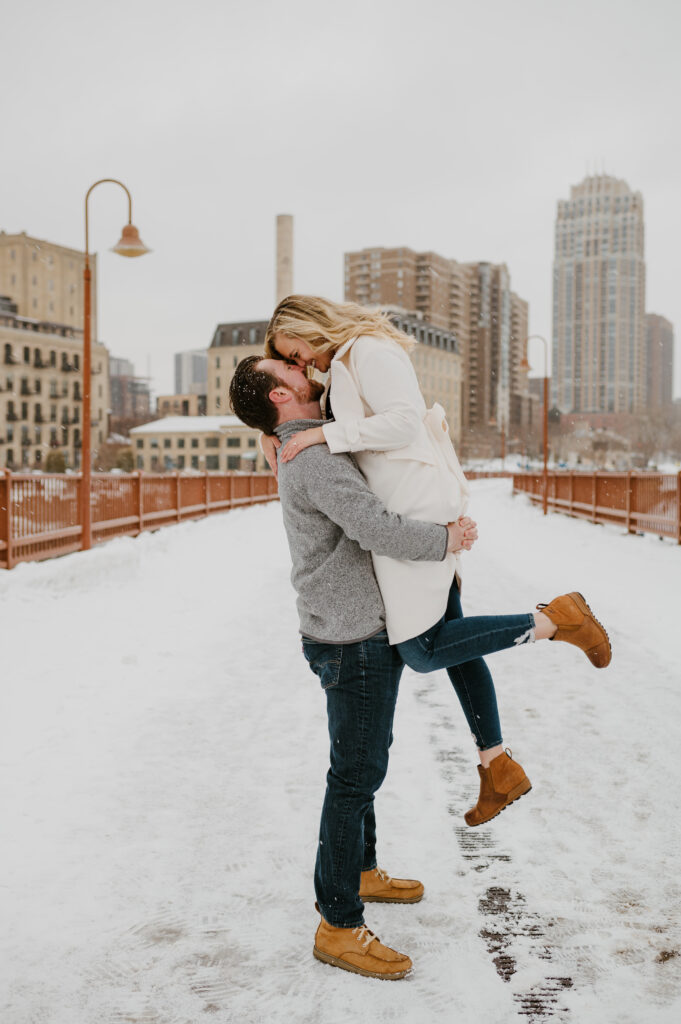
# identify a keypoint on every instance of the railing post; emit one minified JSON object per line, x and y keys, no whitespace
{"x":593,"y":497}
{"x":206,"y":494}
{"x":629,"y":530}
{"x":140,"y":501}
{"x":571,"y":490}
{"x":231,"y":490}
{"x":251,"y":488}
{"x":178,"y":494}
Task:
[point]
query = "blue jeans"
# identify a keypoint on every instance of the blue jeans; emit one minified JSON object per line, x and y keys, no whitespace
{"x":361,"y":681}
{"x":458,"y":644}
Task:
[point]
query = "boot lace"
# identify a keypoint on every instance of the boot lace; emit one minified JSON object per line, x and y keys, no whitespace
{"x":364,"y":935}
{"x":383,"y":875}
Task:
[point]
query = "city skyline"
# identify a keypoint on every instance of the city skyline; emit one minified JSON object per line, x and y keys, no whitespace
{"x":246,"y":115}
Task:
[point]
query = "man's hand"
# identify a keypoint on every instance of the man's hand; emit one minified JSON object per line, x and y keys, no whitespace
{"x":269,"y":444}
{"x":462,"y":534}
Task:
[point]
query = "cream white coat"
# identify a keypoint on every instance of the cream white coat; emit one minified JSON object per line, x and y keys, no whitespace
{"x":405,"y":453}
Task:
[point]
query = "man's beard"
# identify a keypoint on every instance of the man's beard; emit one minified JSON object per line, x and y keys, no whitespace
{"x":311,"y":392}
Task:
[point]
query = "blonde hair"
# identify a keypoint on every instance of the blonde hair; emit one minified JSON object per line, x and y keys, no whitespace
{"x":326,"y":325}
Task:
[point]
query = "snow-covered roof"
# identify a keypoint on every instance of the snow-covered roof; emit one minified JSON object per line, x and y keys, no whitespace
{"x":190,"y":425}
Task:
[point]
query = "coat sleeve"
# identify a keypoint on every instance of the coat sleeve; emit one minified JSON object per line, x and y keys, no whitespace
{"x":338,"y":490}
{"x":388,"y":385}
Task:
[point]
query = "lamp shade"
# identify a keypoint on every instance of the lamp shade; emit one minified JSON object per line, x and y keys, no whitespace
{"x":130,"y":243}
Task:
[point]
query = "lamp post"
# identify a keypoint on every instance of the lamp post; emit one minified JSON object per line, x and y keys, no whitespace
{"x":524,"y":365}
{"x":129,"y":244}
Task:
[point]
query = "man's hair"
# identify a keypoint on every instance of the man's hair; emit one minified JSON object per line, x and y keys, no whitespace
{"x":249,"y":395}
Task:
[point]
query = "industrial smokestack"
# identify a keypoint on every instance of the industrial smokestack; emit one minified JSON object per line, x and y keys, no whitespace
{"x":284,"y":255}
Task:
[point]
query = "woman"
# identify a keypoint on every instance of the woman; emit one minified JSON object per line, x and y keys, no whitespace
{"x":405,"y":453}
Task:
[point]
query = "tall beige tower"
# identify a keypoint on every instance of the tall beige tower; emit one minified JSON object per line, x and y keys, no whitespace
{"x":599,"y":299}
{"x":284,"y":256}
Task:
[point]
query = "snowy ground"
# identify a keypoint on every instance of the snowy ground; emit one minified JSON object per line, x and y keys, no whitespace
{"x":164,"y":749}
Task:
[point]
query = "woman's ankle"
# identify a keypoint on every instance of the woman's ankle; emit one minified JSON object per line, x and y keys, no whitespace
{"x":544,"y":628}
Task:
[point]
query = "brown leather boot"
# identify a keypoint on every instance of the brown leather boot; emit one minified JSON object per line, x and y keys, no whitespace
{"x":500,"y":784}
{"x":378,"y":887}
{"x":360,"y":951}
{"x":578,"y":625}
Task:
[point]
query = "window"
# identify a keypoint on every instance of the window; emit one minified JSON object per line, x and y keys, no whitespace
{"x":180,"y":461}
{"x":139,"y":461}
{"x":212,"y":461}
{"x":180,"y":444}
{"x":154,"y":442}
{"x":195,"y":444}
{"x":195,"y":462}
{"x":233,"y":461}
{"x":234,"y":442}
{"x":167,"y":442}
{"x":212,"y":442}
{"x":251,"y":442}
{"x":217,"y":382}
{"x":27,"y":355}
{"x":217,"y":401}
{"x":217,"y":362}
{"x":253,"y":335}
{"x":235,"y":336}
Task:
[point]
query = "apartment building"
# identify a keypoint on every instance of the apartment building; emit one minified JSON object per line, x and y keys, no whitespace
{"x":230,"y":344}
{"x":205,"y":443}
{"x":41,"y":391}
{"x":599,"y":341}
{"x":181,"y":405}
{"x":473,"y":301}
{"x":45,"y":280}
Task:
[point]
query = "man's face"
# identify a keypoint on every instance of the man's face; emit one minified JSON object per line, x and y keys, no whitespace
{"x":293,"y":377}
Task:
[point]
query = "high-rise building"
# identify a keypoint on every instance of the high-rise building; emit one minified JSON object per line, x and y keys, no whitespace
{"x":191,"y":369}
{"x":130,"y":397}
{"x":475,"y":303}
{"x":660,"y":361}
{"x":599,"y":299}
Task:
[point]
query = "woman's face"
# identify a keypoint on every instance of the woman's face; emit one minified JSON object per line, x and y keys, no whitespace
{"x":297,"y":351}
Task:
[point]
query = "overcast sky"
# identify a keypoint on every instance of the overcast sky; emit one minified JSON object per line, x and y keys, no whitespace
{"x":434,"y":124}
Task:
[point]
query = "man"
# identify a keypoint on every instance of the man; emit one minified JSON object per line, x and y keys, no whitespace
{"x":333,"y":521}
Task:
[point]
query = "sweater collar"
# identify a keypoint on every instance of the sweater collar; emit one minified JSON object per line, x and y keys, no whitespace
{"x":286,"y":430}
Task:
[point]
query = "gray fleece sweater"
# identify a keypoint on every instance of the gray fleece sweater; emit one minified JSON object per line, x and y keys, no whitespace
{"x":333,"y":521}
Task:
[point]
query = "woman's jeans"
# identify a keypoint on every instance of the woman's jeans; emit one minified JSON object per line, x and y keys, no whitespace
{"x":361,"y":682}
{"x":458,"y":644}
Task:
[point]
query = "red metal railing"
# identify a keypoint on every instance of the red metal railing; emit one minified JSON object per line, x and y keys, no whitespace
{"x":640,"y":502}
{"x":40,"y":513}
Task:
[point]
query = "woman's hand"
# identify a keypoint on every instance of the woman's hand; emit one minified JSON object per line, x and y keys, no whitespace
{"x":303,"y":439}
{"x":269,"y":444}
{"x":462,"y":534}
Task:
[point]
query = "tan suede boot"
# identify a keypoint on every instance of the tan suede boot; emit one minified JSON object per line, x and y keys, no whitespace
{"x":360,"y":951}
{"x":378,"y":887}
{"x":500,"y":784}
{"x":578,"y":625}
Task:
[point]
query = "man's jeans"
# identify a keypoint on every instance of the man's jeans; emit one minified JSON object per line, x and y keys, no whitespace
{"x":458,"y":644}
{"x":361,"y":682}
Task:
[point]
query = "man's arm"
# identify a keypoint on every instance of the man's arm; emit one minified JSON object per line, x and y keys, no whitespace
{"x":334,"y":485}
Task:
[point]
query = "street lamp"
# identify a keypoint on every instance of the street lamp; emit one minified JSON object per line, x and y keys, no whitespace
{"x":129,"y":244}
{"x":524,"y":365}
